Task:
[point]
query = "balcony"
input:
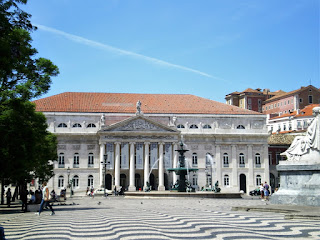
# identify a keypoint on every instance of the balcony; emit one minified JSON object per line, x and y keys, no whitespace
{"x":61,"y":165}
{"x":242,"y":165}
{"x":75,"y":165}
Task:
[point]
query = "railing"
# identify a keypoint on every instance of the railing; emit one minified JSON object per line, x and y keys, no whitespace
{"x":60,"y":165}
{"x":242,"y":165}
{"x":75,"y":165}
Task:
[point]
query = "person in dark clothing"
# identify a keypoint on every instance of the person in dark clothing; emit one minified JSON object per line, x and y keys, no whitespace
{"x":24,"y":199}
{"x":8,"y":195}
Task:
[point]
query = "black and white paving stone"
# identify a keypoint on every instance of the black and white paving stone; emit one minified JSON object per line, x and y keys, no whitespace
{"x":160,"y":218}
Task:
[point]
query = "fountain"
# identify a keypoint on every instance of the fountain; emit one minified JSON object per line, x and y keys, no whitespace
{"x":182,"y":170}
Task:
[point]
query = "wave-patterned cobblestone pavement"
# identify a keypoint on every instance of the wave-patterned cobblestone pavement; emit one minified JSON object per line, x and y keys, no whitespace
{"x":179,"y":218}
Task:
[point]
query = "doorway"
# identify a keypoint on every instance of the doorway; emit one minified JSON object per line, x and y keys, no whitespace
{"x":108,"y":182}
{"x":243,"y":183}
{"x":123,"y":181}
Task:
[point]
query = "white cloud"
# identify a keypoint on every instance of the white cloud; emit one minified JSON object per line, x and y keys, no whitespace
{"x":121,"y":51}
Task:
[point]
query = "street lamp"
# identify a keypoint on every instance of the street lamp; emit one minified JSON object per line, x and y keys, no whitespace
{"x":69,"y":181}
{"x":105,"y":163}
{"x":207,"y":176}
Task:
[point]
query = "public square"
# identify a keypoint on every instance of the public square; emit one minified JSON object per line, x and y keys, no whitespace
{"x":156,"y":218}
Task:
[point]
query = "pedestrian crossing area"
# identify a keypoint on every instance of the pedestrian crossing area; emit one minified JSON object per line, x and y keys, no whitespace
{"x":166,"y":218}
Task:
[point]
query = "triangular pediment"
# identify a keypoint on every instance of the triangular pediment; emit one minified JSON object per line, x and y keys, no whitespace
{"x":138,"y":124}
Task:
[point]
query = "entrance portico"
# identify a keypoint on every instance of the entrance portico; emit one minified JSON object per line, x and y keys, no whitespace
{"x":140,"y":146}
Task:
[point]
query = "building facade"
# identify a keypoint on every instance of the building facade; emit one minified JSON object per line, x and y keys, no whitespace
{"x":135,"y":136}
{"x":291,"y":101}
{"x":251,"y":99}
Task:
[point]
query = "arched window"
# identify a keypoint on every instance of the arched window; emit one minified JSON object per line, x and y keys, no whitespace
{"x":91,"y":125}
{"x":225,"y":160}
{"x":207,"y":126}
{"x":62,"y":125}
{"x":76,"y":160}
{"x":61,"y":160}
{"x":60,"y":182}
{"x":90,"y":181}
{"x":193,"y":126}
{"x":226,"y":180}
{"x":240,"y":127}
{"x":241,"y":160}
{"x":180,"y":126}
{"x":194,"y":160}
{"x":90,"y":160}
{"x":76,"y":181}
{"x":76,"y":125}
{"x":258,"y":180}
{"x":258,"y":160}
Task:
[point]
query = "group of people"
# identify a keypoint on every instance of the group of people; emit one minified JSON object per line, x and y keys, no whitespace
{"x":90,"y":192}
{"x":42,"y":196}
{"x":265,"y":191}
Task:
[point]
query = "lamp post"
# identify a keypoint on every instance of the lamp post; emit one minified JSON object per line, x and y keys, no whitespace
{"x":69,"y":181}
{"x":207,"y":176}
{"x":105,"y":163}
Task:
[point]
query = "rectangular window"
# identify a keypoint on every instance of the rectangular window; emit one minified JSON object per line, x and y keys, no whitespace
{"x":226,"y":180}
{"x":310,"y":97}
{"x":194,"y":181}
{"x":270,"y":159}
{"x":300,"y":100}
{"x":278,"y":158}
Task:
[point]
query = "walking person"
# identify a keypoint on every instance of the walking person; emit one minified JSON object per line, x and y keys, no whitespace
{"x":266,"y":191}
{"x":8,"y":195}
{"x":45,"y":199}
{"x":262,"y":191}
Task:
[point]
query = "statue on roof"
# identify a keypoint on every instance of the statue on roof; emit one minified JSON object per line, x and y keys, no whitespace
{"x":307,"y":147}
{"x":103,"y":120}
{"x":138,"y":107}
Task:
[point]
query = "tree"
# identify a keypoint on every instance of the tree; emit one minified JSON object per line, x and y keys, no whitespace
{"x":22,"y":75}
{"x":26,"y":146}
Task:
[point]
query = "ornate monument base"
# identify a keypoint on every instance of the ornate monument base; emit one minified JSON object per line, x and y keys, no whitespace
{"x":300,"y":174}
{"x":299,"y":184}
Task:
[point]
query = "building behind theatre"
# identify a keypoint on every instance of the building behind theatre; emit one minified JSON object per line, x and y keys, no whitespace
{"x":137,"y":135}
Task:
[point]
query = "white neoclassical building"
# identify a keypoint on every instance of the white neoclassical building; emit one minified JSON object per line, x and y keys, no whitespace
{"x":136,"y":136}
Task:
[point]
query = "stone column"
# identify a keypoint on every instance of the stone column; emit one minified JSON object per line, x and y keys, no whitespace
{"x":117,"y":166}
{"x":102,"y":147}
{"x":234,"y":178}
{"x":251,"y":181}
{"x":132,"y":187}
{"x":146,"y":164}
{"x":161,"y":169}
{"x":266,"y":164}
{"x":175,"y":162}
{"x":218,"y":165}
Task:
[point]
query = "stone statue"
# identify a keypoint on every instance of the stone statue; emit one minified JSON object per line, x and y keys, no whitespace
{"x":138,"y":107}
{"x":307,"y":148}
{"x":103,"y":120}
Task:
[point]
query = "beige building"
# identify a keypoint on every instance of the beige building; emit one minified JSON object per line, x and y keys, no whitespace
{"x":136,"y":136}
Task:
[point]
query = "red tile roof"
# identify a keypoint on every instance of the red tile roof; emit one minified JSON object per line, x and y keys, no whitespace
{"x":126,"y":103}
{"x":306,"y":111}
{"x":287,"y":94}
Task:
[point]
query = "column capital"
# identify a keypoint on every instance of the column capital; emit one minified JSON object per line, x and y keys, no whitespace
{"x":161,"y":143}
{"x":146,"y":143}
{"x":132,"y":143}
{"x":117,"y":143}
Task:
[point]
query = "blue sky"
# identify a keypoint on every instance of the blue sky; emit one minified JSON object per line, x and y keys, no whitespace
{"x":208,"y":48}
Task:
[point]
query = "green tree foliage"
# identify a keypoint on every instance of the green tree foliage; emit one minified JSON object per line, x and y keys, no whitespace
{"x":25,"y":145}
{"x":22,"y":75}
